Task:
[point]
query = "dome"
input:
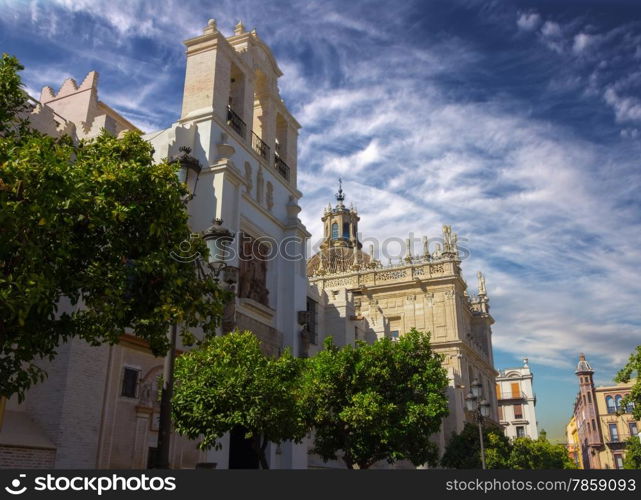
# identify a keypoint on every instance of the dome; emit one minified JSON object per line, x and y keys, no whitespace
{"x":337,"y":260}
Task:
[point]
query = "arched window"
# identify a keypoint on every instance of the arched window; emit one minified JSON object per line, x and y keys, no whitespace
{"x":617,"y":401}
{"x":629,"y":407}
{"x":335,"y":231}
{"x":346,"y":230}
{"x":589,"y":397}
{"x":609,"y":402}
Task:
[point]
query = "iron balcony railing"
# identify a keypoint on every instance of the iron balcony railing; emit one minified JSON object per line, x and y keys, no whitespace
{"x":512,"y":396}
{"x":236,"y":122}
{"x":618,"y":439}
{"x":281,"y":166}
{"x":260,"y":146}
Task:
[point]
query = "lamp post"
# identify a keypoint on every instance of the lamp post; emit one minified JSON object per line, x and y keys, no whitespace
{"x":189,"y":171}
{"x":481,"y":409}
{"x":217,"y":239}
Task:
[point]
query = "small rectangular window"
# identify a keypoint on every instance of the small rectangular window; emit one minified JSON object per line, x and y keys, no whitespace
{"x":130,"y":382}
{"x":394,"y":335}
{"x":518,"y":411}
{"x":311,"y":318}
{"x":520,"y":431}
{"x":618,"y":461}
{"x":634,"y":431}
{"x":614,"y":433}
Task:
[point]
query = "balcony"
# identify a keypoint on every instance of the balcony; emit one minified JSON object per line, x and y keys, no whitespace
{"x":236,"y":122}
{"x":281,"y":166}
{"x":616,"y":441}
{"x":260,"y":146}
{"x":518,"y":396}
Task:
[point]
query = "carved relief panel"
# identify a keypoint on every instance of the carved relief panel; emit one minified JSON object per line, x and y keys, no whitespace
{"x":252,"y":282}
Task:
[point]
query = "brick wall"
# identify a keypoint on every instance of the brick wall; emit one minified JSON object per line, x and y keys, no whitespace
{"x":16,"y":457}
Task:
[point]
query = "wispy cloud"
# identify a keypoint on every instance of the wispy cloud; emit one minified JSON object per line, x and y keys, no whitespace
{"x":528,"y":21}
{"x":519,"y":128}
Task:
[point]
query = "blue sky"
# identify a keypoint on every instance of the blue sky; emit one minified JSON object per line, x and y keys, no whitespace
{"x":518,"y":123}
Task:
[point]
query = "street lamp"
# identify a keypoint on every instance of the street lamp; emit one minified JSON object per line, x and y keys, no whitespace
{"x":217,"y":239}
{"x":189,"y":171}
{"x":481,"y":409}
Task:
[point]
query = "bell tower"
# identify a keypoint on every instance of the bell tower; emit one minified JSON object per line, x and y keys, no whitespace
{"x":340,"y":224}
{"x":589,"y":425}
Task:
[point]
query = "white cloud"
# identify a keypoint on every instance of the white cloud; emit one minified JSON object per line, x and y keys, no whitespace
{"x":626,"y":108}
{"x":581,"y":42}
{"x":528,"y":21}
{"x":551,"y":29}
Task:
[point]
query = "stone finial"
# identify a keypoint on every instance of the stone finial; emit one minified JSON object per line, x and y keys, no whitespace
{"x":447,"y":239}
{"x":426,"y":248}
{"x":525,"y":361}
{"x":211,"y":27}
{"x":481,"y":279}
{"x":408,"y":250}
{"x":340,"y":196}
{"x":239,"y":29}
{"x":371,"y":250}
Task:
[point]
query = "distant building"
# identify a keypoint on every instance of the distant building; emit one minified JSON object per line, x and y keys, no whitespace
{"x":516,"y":402}
{"x":573,"y":444}
{"x":603,"y":423}
{"x":353,"y":296}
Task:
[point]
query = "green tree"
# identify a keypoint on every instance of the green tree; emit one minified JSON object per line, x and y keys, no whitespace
{"x":87,"y":233}
{"x":539,"y":453}
{"x":632,"y":370}
{"x":229,"y":383}
{"x":13,"y":101}
{"x":632,"y":458}
{"x":375,"y":402}
{"x":463,"y":450}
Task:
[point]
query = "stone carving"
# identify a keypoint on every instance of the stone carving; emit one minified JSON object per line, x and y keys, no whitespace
{"x":253,"y":270}
{"x":270,"y":196}
{"x":481,"y":279}
{"x":418,"y":271}
{"x":145,"y":394}
{"x":338,"y":282}
{"x":260,"y":185}
{"x":437,"y":269}
{"x":248,"y":177}
{"x":391,"y":275}
{"x":426,"y":248}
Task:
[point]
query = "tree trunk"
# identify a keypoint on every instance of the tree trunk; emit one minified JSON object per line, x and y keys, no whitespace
{"x":260,"y":448}
{"x":261,"y":455}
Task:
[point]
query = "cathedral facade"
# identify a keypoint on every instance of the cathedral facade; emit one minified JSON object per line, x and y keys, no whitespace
{"x":353,"y":296}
